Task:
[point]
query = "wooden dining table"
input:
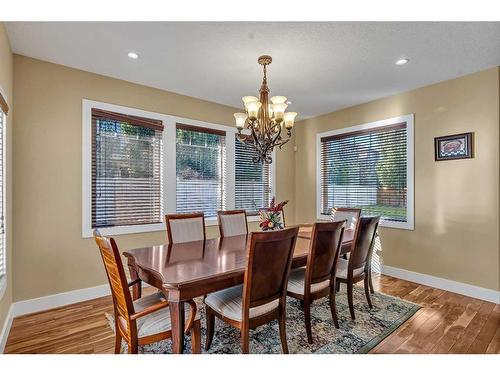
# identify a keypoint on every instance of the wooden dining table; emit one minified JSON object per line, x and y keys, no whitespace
{"x":192,"y":269}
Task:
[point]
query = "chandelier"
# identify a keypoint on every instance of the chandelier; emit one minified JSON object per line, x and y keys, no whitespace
{"x":264,"y":120}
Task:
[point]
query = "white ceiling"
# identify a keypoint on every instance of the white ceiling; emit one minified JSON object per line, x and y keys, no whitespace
{"x":320,"y":67}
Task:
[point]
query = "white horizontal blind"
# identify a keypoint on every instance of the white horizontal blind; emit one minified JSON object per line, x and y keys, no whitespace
{"x":200,"y":170}
{"x":252,"y":180}
{"x":3,"y":255}
{"x":366,"y":169}
{"x":127,"y":157}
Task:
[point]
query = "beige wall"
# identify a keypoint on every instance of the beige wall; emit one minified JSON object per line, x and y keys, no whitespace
{"x":51,"y":257}
{"x":6,"y":80}
{"x":456,"y":232}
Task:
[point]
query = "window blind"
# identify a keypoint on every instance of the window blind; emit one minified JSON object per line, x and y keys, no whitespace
{"x":252,"y":180}
{"x":127,"y":159}
{"x":200,"y":169}
{"x":3,"y":255}
{"x":366,"y":169}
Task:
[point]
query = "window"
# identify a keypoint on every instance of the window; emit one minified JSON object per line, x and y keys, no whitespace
{"x":252,"y":180}
{"x":138,"y":166}
{"x":369,"y":166}
{"x":200,"y":169}
{"x":4,"y":109}
{"x":126,"y":170}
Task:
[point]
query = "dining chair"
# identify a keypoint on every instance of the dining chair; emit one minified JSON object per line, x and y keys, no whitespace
{"x":145,"y":320}
{"x":352,"y":216}
{"x":185,"y":227}
{"x":262,"y":296}
{"x":317,"y":279}
{"x":232,"y":223}
{"x":357,"y":267}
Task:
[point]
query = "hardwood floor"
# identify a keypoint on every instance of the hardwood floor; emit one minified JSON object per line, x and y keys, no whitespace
{"x":446,"y":323}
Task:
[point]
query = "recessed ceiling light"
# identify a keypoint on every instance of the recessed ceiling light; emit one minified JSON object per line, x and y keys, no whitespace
{"x":133,"y":55}
{"x":402,"y":61}
{"x":289,"y":102}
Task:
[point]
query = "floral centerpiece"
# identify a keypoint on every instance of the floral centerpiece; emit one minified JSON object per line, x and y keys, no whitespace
{"x":270,"y":218}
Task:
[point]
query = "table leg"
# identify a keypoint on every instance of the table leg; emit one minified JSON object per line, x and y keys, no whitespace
{"x":177,"y":318}
{"x":136,"y":288}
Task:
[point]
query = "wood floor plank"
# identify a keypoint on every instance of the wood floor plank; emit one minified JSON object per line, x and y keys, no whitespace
{"x":453,"y":331}
{"x":473,"y":329}
{"x":494,"y":347}
{"x":447,"y":322}
{"x":487,"y":333}
{"x":434,"y":314}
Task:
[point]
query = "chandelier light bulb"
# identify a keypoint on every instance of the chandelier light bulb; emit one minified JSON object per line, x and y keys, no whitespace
{"x":253,"y":109}
{"x":278,"y":99}
{"x":279,"y":111}
{"x":240,"y":120}
{"x":289,"y":119}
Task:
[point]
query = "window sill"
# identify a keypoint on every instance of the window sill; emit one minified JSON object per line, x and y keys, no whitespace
{"x":116,"y":231}
{"x":383,"y":223}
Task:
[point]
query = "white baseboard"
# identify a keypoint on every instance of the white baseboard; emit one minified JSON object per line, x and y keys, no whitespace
{"x":4,"y":334}
{"x":57,"y":300}
{"x":445,"y":284}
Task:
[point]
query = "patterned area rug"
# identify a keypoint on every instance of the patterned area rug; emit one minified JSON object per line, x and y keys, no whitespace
{"x":360,"y":336}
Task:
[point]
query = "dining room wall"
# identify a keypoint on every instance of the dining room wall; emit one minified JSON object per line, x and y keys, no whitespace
{"x":50,"y":254}
{"x":6,"y":83}
{"x":456,"y":234}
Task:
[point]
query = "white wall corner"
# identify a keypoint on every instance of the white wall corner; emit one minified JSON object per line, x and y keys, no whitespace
{"x":478,"y":292}
{"x":4,"y":334}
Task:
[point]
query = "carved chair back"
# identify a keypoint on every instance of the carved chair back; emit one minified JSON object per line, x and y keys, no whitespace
{"x":324,"y":250}
{"x":122,"y":300}
{"x":269,"y":257}
{"x":185,"y":227}
{"x":363,"y":242}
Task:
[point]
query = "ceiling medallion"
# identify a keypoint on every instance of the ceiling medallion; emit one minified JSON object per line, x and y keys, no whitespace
{"x":265,"y":121}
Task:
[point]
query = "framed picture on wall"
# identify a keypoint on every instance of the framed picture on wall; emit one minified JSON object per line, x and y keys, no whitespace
{"x":457,"y":146}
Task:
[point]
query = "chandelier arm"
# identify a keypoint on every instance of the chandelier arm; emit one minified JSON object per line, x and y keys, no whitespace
{"x":255,"y":137}
{"x":278,"y":135}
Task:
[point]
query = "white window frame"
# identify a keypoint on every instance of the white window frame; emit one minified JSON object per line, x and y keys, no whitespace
{"x":3,"y":279}
{"x":410,"y":183}
{"x":169,"y":167}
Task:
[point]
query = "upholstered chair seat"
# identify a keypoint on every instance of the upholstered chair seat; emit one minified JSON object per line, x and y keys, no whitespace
{"x":342,"y":269}
{"x":228,"y":302}
{"x":296,"y":282}
{"x":158,"y":321}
